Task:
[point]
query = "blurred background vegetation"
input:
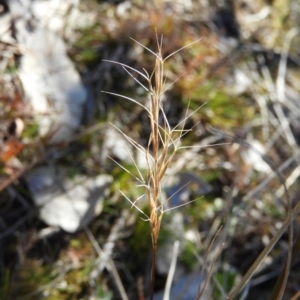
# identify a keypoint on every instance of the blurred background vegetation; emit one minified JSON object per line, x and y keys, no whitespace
{"x":233,"y":75}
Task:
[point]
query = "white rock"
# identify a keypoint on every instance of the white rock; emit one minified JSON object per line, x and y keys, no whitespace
{"x":69,"y":204}
{"x":63,"y":17}
{"x":253,"y":157}
{"x":51,"y":83}
{"x":5,"y":24}
{"x":116,"y":145}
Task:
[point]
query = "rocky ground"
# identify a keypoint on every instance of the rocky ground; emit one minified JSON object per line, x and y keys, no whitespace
{"x":67,"y":171}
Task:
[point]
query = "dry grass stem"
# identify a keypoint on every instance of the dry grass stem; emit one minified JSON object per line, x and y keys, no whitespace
{"x":171,"y":271}
{"x":200,"y":293}
{"x":163,"y":143}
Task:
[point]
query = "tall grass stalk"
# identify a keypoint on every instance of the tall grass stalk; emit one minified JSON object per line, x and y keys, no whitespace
{"x":163,"y":143}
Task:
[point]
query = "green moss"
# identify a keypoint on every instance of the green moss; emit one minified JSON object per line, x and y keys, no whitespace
{"x":75,"y":243}
{"x":32,"y":276}
{"x":201,"y":209}
{"x":165,"y":232}
{"x":188,"y":255}
{"x":140,"y":241}
{"x":102,"y":293}
{"x":31,"y":130}
{"x":4,"y":287}
{"x":226,"y":279}
{"x":71,"y":172}
{"x":221,"y":108}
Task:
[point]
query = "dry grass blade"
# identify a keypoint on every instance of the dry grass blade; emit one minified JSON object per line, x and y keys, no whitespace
{"x":296,"y":248}
{"x":213,"y":263}
{"x":138,"y":179}
{"x":279,"y":290}
{"x":181,"y":205}
{"x":128,"y":67}
{"x":188,"y":45}
{"x":280,"y":284}
{"x":264,"y":253}
{"x":152,"y":52}
{"x":109,"y":264}
{"x":171,"y":271}
{"x":296,"y":296}
{"x":139,"y":147}
{"x":258,"y":188}
{"x":128,"y":98}
{"x":134,"y":205}
{"x":280,"y":84}
{"x":135,"y":79}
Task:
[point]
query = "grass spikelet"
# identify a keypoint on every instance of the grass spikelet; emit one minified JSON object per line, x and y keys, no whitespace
{"x":162,"y":145}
